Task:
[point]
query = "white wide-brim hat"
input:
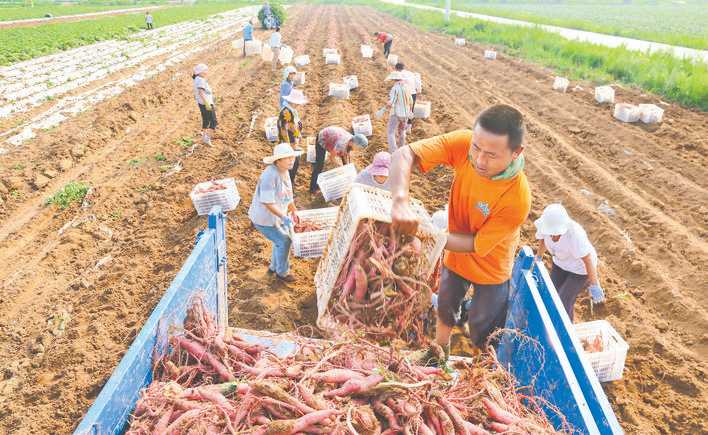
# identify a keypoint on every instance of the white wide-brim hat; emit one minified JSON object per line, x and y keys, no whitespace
{"x":296,"y":97}
{"x":396,"y":75}
{"x":554,"y":221}
{"x":281,"y":151}
{"x":288,"y":70}
{"x":201,"y":68}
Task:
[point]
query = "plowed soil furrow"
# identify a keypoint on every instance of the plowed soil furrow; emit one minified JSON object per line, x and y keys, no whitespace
{"x":112,"y":265}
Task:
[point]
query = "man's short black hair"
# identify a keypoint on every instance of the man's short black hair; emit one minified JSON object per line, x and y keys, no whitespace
{"x":503,"y":120}
{"x":399,"y":66}
{"x":277,"y":29}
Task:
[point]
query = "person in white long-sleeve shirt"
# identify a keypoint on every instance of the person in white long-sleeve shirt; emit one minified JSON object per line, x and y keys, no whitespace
{"x":275,"y":44}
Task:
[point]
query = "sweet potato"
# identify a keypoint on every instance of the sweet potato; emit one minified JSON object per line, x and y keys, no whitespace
{"x":197,"y":351}
{"x":497,"y":414}
{"x":361,"y":283}
{"x":355,"y":386}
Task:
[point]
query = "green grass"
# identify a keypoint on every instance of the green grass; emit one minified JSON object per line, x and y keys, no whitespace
{"x":22,"y":43}
{"x":160,"y":157}
{"x":668,"y":22}
{"x":69,"y":194}
{"x":40,"y":10}
{"x":674,"y":79}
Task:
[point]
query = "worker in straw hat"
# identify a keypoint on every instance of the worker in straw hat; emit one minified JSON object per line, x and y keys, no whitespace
{"x":290,"y":125}
{"x":376,"y":174}
{"x":574,"y":257}
{"x":205,"y":101}
{"x":272,"y":209}
{"x":489,"y":200}
{"x":288,"y":84}
{"x":400,"y":105}
{"x":339,"y":143}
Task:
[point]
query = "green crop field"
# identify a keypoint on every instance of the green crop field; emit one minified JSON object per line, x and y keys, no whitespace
{"x":9,"y":13}
{"x":22,"y":43}
{"x":677,"y":23}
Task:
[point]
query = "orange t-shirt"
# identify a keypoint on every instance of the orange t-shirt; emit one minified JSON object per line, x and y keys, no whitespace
{"x":493,"y":210}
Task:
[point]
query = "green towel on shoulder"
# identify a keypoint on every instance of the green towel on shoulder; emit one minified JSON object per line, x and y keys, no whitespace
{"x":514,"y":168}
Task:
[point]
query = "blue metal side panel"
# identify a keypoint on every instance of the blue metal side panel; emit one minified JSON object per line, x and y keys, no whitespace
{"x":595,"y":396}
{"x":110,"y":412}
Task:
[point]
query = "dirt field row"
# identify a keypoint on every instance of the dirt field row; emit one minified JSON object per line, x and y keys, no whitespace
{"x":641,"y":192}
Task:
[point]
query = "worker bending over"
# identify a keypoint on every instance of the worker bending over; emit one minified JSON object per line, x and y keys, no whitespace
{"x":339,"y":143}
{"x":376,"y":174}
{"x":574,"y":257}
{"x":489,"y":201}
{"x":387,"y":40}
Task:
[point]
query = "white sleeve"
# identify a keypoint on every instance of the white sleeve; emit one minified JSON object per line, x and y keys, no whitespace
{"x":581,"y":245}
{"x":540,"y":236}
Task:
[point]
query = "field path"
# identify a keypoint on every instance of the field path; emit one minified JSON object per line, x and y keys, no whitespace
{"x":641,"y":192}
{"x":78,"y":17}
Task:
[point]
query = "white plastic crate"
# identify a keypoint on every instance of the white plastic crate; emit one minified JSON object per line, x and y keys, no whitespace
{"x":238,"y":44}
{"x":650,"y":113}
{"x":460,"y":42}
{"x":333,"y":59}
{"x":299,"y":78}
{"x":253,"y":47}
{"x":362,"y":125}
{"x":490,"y":54}
{"x":227,"y":198}
{"x":366,"y":202}
{"x":339,"y":90}
{"x":418,"y":82}
{"x":422,"y":109}
{"x":627,"y":112}
{"x":392,"y":59}
{"x":608,"y":364}
{"x":352,"y":81}
{"x":335,"y":183}
{"x":367,"y":51}
{"x":604,"y":94}
{"x":326,"y":51}
{"x":286,"y":55}
{"x":266,"y":53}
{"x":312,"y":151}
{"x":560,"y":84}
{"x":302,"y":60}
{"x":271,"y":128}
{"x":311,"y":244}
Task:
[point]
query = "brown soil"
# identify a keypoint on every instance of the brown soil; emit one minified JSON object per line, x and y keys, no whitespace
{"x":653,"y":248}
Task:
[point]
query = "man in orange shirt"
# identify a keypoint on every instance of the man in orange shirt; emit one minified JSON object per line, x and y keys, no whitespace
{"x":489,"y":201}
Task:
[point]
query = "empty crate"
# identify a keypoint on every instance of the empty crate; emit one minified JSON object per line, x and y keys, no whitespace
{"x":362,"y":125}
{"x":392,"y":59}
{"x":286,"y":55}
{"x":311,"y":244}
{"x":460,"y":42}
{"x":339,"y":90}
{"x":333,"y":59}
{"x":335,"y":183}
{"x":418,"y":82}
{"x":302,"y":60}
{"x":352,"y":81}
{"x":422,"y":109}
{"x":299,"y":78}
{"x":238,"y":44}
{"x":271,"y":128}
{"x":221,"y":193}
{"x":603,"y":348}
{"x":627,"y":112}
{"x":326,"y":51}
{"x":367,"y":51}
{"x":490,"y":54}
{"x":650,"y":113}
{"x":604,"y":94}
{"x":560,"y":84}
{"x":253,"y":47}
{"x":311,"y":150}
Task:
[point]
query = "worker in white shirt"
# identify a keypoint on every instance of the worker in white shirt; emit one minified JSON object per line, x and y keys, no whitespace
{"x":275,"y":44}
{"x":149,"y":21}
{"x":574,"y":257}
{"x":411,"y":85}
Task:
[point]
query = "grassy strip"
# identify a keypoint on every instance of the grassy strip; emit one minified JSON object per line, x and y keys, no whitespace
{"x":22,"y":43}
{"x":39,"y":11}
{"x":676,"y":80}
{"x":676,"y":24}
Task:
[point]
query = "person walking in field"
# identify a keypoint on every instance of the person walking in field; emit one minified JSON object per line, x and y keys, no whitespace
{"x":400,"y":105}
{"x":148,"y":21}
{"x":275,"y":44}
{"x":376,"y":174}
{"x":290,"y":126}
{"x":339,"y":143}
{"x":205,"y":101}
{"x":273,"y":211}
{"x":412,"y":86}
{"x":247,"y":35}
{"x":574,"y":257}
{"x":489,"y":201}
{"x":387,"y":40}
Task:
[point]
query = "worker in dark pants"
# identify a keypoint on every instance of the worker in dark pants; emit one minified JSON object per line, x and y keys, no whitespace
{"x":387,"y":40}
{"x":489,"y":201}
{"x":149,"y":21}
{"x":339,"y":143}
{"x":290,"y":126}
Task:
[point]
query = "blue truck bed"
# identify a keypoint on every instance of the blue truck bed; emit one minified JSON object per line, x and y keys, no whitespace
{"x":551,"y":369}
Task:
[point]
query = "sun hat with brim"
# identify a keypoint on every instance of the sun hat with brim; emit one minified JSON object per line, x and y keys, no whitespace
{"x":360,"y":141}
{"x":296,"y":97}
{"x":380,"y":165}
{"x":554,"y":221}
{"x":289,"y":70}
{"x":281,"y":151}
{"x":396,"y":75}
{"x":201,"y":68}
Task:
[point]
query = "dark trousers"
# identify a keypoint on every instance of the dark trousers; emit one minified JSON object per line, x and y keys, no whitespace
{"x":414,"y":96}
{"x":149,"y":26}
{"x":387,"y":48}
{"x":568,"y":285}
{"x":296,"y":165}
{"x":487,"y":310}
{"x":320,"y":154}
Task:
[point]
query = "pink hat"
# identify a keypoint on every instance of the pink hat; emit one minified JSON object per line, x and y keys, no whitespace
{"x":379,"y":167}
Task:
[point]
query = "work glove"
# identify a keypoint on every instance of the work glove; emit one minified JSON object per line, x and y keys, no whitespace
{"x":287,"y":222}
{"x":209,"y":107}
{"x":380,"y":113}
{"x":596,"y":293}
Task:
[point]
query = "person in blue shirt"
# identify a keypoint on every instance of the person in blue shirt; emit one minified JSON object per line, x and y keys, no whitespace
{"x":287,"y":85}
{"x":247,"y":35}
